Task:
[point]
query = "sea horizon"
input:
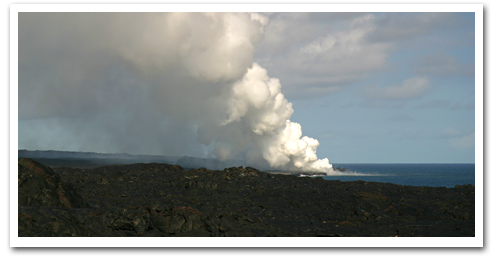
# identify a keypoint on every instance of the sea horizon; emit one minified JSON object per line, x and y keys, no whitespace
{"x":410,"y":174}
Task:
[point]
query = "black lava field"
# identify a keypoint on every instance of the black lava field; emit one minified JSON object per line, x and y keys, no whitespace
{"x":156,"y":199}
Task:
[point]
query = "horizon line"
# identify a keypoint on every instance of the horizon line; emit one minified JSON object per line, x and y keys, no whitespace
{"x":161,"y":155}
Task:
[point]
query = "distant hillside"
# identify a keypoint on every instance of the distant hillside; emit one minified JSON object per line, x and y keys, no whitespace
{"x":91,"y":159}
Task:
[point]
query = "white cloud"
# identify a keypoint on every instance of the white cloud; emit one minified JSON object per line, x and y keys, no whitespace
{"x":337,"y":54}
{"x":310,"y":52}
{"x":446,"y":104}
{"x":444,"y":65}
{"x":410,"y":88}
{"x":457,"y":138}
{"x":466,"y":141}
{"x":463,"y":106}
{"x":405,"y":26}
{"x":401,"y":118}
{"x":450,"y":132}
{"x":434,"y":104}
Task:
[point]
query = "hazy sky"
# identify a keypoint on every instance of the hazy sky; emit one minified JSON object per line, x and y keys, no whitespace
{"x":370,"y":87}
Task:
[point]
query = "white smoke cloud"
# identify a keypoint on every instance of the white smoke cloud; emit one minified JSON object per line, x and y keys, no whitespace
{"x":258,"y":103}
{"x":127,"y":75}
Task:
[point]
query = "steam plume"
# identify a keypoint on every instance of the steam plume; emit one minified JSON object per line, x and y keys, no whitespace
{"x":132,"y":75}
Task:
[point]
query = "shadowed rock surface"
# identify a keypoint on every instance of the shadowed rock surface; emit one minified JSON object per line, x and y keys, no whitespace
{"x":166,"y":200}
{"x":40,"y":186}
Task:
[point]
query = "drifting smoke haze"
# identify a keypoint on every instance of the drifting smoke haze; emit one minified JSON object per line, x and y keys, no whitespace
{"x":156,"y":83}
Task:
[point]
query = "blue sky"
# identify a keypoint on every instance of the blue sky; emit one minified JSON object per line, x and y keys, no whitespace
{"x":372,"y":115}
{"x":370,"y":87}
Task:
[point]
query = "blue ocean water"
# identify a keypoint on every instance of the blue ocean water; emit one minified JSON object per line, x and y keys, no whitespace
{"x":434,"y":175}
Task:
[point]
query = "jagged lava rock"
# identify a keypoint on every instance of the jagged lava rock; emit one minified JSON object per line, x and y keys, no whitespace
{"x":166,"y":200}
{"x":40,"y":186}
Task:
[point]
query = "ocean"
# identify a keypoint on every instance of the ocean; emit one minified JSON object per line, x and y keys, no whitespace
{"x":433,"y":175}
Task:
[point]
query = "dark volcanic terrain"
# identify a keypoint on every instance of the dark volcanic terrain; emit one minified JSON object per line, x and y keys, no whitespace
{"x":167,"y":200}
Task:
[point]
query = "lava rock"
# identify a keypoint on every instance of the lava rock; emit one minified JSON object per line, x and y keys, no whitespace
{"x":40,"y":186}
{"x":166,"y":200}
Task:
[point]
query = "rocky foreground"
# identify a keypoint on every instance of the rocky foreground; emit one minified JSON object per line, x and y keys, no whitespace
{"x":166,"y":200}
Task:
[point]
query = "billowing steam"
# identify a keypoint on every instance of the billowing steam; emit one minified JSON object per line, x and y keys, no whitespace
{"x":258,"y":104}
{"x":131,"y":75}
